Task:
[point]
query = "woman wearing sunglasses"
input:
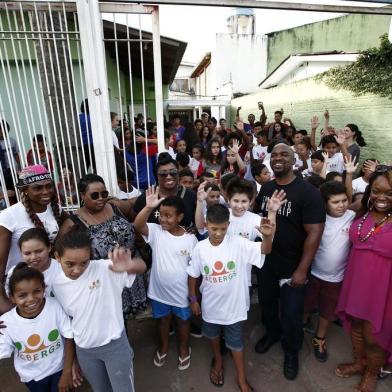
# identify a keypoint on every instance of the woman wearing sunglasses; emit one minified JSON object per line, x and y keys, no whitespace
{"x":38,"y":207}
{"x":108,"y":227}
{"x":365,"y":303}
{"x":168,"y":182}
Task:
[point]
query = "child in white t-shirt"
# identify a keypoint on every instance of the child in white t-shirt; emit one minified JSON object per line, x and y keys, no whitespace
{"x":168,"y":288}
{"x":38,"y":334}
{"x":222,"y":261}
{"x":331,"y":145}
{"x":329,"y":263}
{"x":90,"y":293}
{"x":34,"y":245}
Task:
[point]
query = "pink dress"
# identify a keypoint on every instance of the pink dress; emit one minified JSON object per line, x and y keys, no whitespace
{"x":367,"y":286}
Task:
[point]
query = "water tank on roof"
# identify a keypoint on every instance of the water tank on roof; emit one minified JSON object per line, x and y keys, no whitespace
{"x":241,"y":21}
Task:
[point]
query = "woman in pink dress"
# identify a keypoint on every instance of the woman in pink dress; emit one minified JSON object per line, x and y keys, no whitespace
{"x":365,"y":303}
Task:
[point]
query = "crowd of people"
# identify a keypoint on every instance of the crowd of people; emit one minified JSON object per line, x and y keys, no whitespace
{"x":188,"y":232}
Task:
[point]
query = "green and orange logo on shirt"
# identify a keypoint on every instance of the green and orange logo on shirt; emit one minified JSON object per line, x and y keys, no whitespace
{"x":220,"y":272}
{"x":35,"y":347}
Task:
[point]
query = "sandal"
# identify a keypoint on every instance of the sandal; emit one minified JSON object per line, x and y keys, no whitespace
{"x":159,"y":359}
{"x":216,"y":377}
{"x":184,"y":363}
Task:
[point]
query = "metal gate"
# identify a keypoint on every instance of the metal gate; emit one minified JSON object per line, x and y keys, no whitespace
{"x":55,"y":100}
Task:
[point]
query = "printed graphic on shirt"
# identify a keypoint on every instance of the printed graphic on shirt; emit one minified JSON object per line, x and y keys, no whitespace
{"x":219,"y":272}
{"x":284,"y":210}
{"x":94,"y":285}
{"x":36,"y":348}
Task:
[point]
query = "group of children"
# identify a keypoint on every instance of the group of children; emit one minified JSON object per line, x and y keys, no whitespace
{"x":67,"y":311}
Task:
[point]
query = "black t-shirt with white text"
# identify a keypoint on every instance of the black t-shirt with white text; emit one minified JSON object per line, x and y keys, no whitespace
{"x":304,"y":206}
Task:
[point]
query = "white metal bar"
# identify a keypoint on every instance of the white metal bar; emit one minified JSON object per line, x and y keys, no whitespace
{"x":47,"y":84}
{"x":73,"y":106}
{"x":278,"y":5}
{"x":67,"y":128}
{"x":74,"y":102}
{"x":84,"y":95}
{"x":125,"y":8}
{"x":91,"y":38}
{"x":28,"y":122}
{"x":120,"y":100}
{"x":144,"y":100}
{"x":158,"y":79}
{"x":132,"y":122}
{"x":12,"y":101}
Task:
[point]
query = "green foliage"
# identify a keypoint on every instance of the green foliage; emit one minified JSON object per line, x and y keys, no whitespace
{"x":371,"y":73}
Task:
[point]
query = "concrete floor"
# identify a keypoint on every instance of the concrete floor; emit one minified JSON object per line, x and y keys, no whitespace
{"x":264,"y":371}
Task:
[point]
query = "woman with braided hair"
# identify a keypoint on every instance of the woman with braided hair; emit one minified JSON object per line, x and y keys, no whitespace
{"x":38,"y":207}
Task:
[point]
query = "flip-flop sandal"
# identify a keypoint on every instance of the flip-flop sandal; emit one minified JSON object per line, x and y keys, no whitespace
{"x":184,"y":363}
{"x":217,"y":376}
{"x":159,"y":359}
{"x":384,"y":373}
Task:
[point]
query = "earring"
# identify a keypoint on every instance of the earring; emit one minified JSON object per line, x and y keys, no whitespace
{"x":369,"y":205}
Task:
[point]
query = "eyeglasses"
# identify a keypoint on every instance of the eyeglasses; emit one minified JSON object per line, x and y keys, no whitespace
{"x":383,"y":168}
{"x":172,"y":173}
{"x":96,"y":195}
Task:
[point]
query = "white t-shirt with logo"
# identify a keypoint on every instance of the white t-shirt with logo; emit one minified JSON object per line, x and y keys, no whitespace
{"x":259,"y":152}
{"x":331,"y":257}
{"x":359,"y":185}
{"x":170,"y":259}
{"x":16,"y":220}
{"x":49,"y":275}
{"x":336,"y":163}
{"x":94,"y":302}
{"x":245,"y":226}
{"x":37,"y":343}
{"x":225,"y":282}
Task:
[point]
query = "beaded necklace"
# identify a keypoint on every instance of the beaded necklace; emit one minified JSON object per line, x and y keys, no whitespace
{"x":373,"y":229}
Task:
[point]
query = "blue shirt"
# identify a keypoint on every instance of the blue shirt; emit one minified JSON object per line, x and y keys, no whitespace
{"x":84,"y":124}
{"x":142,"y":169}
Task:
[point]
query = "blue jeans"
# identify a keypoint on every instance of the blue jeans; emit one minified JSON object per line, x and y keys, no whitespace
{"x":47,"y":384}
{"x":289,"y":326}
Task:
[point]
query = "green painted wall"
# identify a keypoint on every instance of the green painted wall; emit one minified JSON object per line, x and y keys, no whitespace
{"x":21,"y":87}
{"x":301,"y":100}
{"x":348,"y":33}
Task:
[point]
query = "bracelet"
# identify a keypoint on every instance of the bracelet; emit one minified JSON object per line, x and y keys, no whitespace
{"x":192,"y":299}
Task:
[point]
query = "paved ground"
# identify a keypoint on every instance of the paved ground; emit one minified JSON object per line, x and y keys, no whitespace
{"x":265,"y":371}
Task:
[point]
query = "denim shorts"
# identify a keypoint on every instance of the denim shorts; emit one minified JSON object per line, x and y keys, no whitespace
{"x":232,"y":334}
{"x":160,"y":310}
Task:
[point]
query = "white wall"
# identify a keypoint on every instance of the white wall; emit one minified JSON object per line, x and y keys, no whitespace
{"x":310,"y":69}
{"x":241,"y":60}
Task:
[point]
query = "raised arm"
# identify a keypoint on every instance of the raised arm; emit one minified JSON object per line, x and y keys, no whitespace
{"x":268,"y":225}
{"x":236,"y":148}
{"x":351,"y":167}
{"x":152,"y":202}
{"x":237,"y":115}
{"x":323,"y":173}
{"x":263,"y":116}
{"x":341,"y":140}
{"x":124,"y":262}
{"x":326,"y":119}
{"x":314,"y":124}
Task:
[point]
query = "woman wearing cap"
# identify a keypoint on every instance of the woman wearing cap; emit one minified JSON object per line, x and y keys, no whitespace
{"x":38,"y":207}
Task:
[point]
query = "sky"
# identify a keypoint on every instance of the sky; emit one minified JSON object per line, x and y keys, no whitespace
{"x":198,"y":25}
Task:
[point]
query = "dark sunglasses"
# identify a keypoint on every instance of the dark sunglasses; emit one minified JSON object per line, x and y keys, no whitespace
{"x":383,"y":168}
{"x":172,"y":173}
{"x":96,"y":195}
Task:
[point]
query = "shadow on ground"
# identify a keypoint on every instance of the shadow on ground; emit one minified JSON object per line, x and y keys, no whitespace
{"x":264,"y":371}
